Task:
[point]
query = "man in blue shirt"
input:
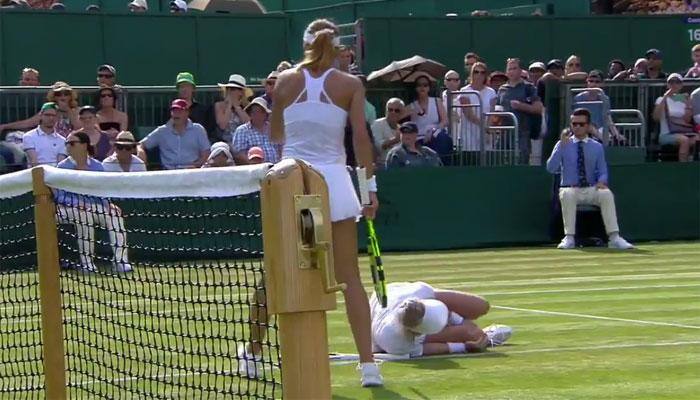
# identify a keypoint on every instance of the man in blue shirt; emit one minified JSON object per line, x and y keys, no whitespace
{"x":584,"y":180}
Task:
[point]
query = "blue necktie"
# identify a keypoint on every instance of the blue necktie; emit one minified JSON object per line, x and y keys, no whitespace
{"x":581,"y":164}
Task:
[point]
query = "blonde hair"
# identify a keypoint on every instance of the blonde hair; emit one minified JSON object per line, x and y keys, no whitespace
{"x":63,"y":86}
{"x":486,"y":72}
{"x":321,"y":53}
{"x":411,"y":313}
{"x":244,"y":98}
{"x":696,"y":48}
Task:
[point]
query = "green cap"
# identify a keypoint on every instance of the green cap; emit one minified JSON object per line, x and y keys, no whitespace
{"x":49,"y":106}
{"x":186,"y":77}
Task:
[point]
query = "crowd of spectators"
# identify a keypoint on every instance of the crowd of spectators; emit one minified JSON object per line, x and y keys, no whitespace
{"x":235,"y":131}
{"x":135,"y":6}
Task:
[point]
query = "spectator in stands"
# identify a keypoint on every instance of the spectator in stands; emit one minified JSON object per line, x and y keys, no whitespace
{"x":42,"y":144}
{"x":535,"y":71}
{"x":638,"y":70}
{"x":654,"y":65}
{"x":110,"y":119}
{"x":198,"y":112}
{"x":370,"y":109}
{"x":408,"y":154}
{"x":584,"y":180}
{"x":573,"y":70}
{"x":471,"y":131}
{"x":615,"y":67}
{"x":283,"y":65}
{"x":12,"y":158}
{"x":598,"y":105}
{"x":386,"y":130}
{"x":123,"y":159}
{"x":138,"y":6}
{"x":469,"y":60}
{"x":346,"y":58}
{"x":58,"y":7}
{"x":106,"y":75}
{"x":694,"y":71}
{"x":66,"y":101}
{"x":30,"y":77}
{"x":256,"y":155}
{"x":93,"y":8}
{"x":674,"y":113}
{"x":255,"y":132}
{"x":428,"y":112}
{"x":87,"y":212}
{"x":452,"y":82}
{"x":497,"y":79}
{"x":230,"y":113}
{"x":270,"y":86}
{"x":219,"y":156}
{"x":520,"y":98}
{"x":178,"y":6}
{"x":181,"y":142}
{"x":99,"y":140}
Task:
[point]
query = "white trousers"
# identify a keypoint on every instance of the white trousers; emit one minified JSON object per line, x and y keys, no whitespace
{"x":86,"y":218}
{"x":571,"y":197}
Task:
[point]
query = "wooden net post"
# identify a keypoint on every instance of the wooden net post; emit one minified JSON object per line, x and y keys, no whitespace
{"x":299,"y":274}
{"x":49,"y":288}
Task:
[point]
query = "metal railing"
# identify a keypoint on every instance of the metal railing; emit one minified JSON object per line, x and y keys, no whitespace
{"x":634,"y":131}
{"x":352,"y":35}
{"x":504,"y":146}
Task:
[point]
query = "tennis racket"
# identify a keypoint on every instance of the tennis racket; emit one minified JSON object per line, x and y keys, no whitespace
{"x":373,"y":250}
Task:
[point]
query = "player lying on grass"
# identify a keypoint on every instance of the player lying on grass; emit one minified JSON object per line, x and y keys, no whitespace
{"x":420,"y":320}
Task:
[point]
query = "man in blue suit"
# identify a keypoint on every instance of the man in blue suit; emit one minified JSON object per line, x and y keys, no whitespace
{"x":584,"y":180}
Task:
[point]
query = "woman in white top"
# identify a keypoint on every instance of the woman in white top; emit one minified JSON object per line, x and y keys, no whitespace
{"x":473,"y":116}
{"x":675,"y":106}
{"x":428,"y":112}
{"x":312,"y":105}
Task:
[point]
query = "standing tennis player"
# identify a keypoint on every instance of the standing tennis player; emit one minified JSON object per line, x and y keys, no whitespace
{"x":312,"y":105}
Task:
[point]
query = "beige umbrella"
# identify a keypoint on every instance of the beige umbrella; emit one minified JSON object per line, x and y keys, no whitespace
{"x":228,"y":6}
{"x":408,"y":69}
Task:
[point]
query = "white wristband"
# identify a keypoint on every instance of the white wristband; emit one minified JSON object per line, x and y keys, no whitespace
{"x":455,"y":319}
{"x":372,"y":184}
{"x":457,"y":347}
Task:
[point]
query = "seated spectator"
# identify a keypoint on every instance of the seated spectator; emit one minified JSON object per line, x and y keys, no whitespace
{"x":269,"y":87}
{"x":407,"y":154}
{"x":535,"y":71}
{"x":497,"y":79}
{"x":219,"y":156}
{"x":111,"y":120}
{"x":694,"y":71}
{"x":178,"y":6}
{"x":674,"y":113}
{"x":655,"y":64}
{"x":255,"y":132}
{"x":638,"y":70}
{"x":471,"y":131}
{"x":601,"y":119}
{"x":520,"y":98}
{"x":66,"y":101}
{"x":106,"y":76}
{"x":427,"y":111}
{"x":181,"y":142}
{"x":138,"y":6}
{"x":30,"y":77}
{"x":573,"y":70}
{"x":230,"y":112}
{"x":470,"y":59}
{"x":615,"y":67}
{"x":12,"y":158}
{"x":386,"y":130}
{"x":584,"y":180}
{"x":99,"y":140}
{"x":87,"y":212}
{"x":256,"y":155}
{"x":198,"y":113}
{"x":124,"y":158}
{"x":283,"y":65}
{"x":43,"y":144}
{"x":346,"y":58}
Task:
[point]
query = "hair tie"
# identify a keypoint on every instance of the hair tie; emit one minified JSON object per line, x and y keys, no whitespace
{"x":310,"y":37}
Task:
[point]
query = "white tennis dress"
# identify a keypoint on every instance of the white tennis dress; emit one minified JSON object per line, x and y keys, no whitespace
{"x":315,"y":132}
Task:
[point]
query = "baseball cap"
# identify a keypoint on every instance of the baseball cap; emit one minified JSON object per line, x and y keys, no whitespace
{"x":92,"y":7}
{"x":555,"y":63}
{"x":258,"y":101}
{"x":58,"y":6}
{"x":218,"y":148}
{"x":408,"y":127}
{"x":256,"y":152}
{"x":140,"y":3}
{"x":435,"y":317}
{"x":537,"y":65}
{"x":125,"y":137}
{"x":674,"y":77}
{"x":90,"y":109}
{"x":656,"y":53}
{"x":179,"y":4}
{"x":185,"y":77}
{"x":179,"y":104}
{"x":49,"y":106}
{"x":107,"y":67}
{"x":598,"y":74}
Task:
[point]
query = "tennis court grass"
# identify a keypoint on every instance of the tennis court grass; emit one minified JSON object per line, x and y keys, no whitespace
{"x":589,"y":324}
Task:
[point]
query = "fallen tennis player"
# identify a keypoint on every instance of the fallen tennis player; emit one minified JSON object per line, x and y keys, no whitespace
{"x":420,"y":320}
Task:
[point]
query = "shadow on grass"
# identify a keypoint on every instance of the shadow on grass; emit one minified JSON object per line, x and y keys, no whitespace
{"x":446,"y":362}
{"x":606,"y":250}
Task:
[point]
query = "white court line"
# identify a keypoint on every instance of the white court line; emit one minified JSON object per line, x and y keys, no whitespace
{"x":565,"y":314}
{"x":353,"y":358}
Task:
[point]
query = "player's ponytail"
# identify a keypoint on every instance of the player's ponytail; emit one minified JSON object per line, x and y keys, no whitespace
{"x":320,"y":45}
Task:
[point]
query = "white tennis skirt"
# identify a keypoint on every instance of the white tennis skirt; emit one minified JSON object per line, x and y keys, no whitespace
{"x":341,"y":192}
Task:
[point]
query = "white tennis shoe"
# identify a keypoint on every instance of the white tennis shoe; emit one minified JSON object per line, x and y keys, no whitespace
{"x":498,"y":334}
{"x":567,"y":243}
{"x":620,"y":243}
{"x":370,"y":375}
{"x":122,"y":266}
{"x":249,"y":365}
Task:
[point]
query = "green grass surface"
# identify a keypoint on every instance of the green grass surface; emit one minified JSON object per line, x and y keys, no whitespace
{"x":589,"y":324}
{"x":632,"y":355}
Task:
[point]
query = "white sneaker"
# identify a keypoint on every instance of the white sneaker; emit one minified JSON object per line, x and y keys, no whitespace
{"x":370,"y":375}
{"x":620,"y":243}
{"x":567,"y":243}
{"x":249,"y":365}
{"x":122,"y":266}
{"x":498,"y":334}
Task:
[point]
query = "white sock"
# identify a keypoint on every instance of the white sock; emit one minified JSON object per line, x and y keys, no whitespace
{"x":614,"y":236}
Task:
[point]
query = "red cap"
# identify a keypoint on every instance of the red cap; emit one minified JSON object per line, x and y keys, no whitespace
{"x":256,"y":152}
{"x":179,"y":104}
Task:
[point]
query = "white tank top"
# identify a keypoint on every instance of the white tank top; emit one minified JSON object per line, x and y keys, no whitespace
{"x":315,"y":128}
{"x":430,"y":118}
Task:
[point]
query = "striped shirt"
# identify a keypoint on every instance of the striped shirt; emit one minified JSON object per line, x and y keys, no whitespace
{"x":246,"y":136}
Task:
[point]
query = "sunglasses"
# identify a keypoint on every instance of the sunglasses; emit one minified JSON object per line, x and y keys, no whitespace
{"x":394,"y":110}
{"x":452,"y":79}
{"x":128,"y":147}
{"x":579,"y":124}
{"x":105,"y":76}
{"x":62,"y":93}
{"x":106,"y":95}
{"x":574,"y":64}
{"x":478,"y":71}
{"x":70,"y":143}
